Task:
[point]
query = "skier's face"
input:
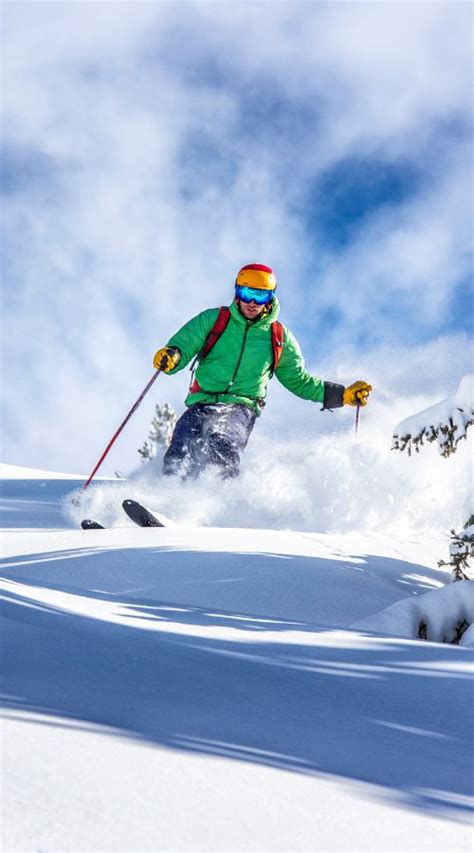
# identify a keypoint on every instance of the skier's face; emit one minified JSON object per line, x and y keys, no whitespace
{"x":250,"y":310}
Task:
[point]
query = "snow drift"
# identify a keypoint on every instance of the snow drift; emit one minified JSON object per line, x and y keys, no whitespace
{"x":202,"y":688}
{"x":441,"y":616}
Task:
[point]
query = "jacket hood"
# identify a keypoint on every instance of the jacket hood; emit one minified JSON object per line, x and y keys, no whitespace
{"x":263,"y":322}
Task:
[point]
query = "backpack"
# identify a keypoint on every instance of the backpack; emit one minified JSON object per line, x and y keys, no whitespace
{"x":219,"y":327}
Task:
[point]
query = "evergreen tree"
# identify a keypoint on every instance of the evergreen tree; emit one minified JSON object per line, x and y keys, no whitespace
{"x":461,"y":548}
{"x":447,"y":423}
{"x":161,"y":430}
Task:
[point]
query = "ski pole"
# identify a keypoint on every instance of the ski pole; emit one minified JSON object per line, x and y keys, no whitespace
{"x":117,"y":433}
{"x":357,"y":418}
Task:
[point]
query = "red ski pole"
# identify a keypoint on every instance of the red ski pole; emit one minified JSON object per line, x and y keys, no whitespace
{"x":117,"y":433}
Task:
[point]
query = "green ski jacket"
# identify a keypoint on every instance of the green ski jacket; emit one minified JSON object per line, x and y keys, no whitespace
{"x":238,"y":367}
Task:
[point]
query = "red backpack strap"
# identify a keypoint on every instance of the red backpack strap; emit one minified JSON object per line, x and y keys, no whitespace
{"x":277,"y":343}
{"x":218,"y":328}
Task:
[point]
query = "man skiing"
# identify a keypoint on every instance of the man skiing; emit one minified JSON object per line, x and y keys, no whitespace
{"x":237,"y":350}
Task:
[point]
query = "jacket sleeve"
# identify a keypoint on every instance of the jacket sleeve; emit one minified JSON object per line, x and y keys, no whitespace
{"x":291,"y":372}
{"x":191,"y":337}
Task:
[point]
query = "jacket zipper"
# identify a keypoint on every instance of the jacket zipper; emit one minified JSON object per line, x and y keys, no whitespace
{"x":244,"y":340}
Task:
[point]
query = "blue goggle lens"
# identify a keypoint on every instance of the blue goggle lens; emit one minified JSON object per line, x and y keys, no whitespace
{"x":252,"y":294}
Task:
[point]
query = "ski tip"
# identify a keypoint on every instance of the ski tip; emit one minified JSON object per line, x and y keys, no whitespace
{"x":89,"y":524}
{"x":140,"y":515}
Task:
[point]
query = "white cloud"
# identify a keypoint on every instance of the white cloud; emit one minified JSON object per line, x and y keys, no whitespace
{"x":125,"y":228}
{"x":417,"y":252}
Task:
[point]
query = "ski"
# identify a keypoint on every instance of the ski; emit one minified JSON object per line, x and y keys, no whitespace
{"x":136,"y":512}
{"x":141,"y":515}
{"x":89,"y":524}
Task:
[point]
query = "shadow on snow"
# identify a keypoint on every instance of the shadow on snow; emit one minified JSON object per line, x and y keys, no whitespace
{"x":178,"y":648}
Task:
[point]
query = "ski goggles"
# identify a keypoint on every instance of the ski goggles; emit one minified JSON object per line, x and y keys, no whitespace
{"x":252,"y":294}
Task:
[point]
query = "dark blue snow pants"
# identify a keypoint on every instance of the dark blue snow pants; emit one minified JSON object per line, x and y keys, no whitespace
{"x":207,"y":435}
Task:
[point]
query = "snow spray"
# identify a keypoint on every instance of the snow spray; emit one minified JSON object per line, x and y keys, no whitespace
{"x":115,"y":436}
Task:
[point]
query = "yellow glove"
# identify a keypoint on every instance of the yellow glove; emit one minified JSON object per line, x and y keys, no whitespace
{"x":357,"y":393}
{"x":166,"y":358}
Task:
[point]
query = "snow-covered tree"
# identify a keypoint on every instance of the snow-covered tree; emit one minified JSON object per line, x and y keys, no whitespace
{"x":447,"y":423}
{"x":461,"y":550}
{"x":161,"y":430}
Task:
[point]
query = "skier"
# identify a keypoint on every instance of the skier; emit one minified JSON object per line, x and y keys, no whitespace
{"x":237,"y":350}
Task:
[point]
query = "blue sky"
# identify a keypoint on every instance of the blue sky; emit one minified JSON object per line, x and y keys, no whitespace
{"x":150,"y":150}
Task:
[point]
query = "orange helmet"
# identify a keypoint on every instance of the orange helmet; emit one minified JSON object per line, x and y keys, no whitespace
{"x":257,"y":276}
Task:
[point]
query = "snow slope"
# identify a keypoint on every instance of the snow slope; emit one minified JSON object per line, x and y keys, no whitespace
{"x":18,"y":472}
{"x":204,"y":688}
